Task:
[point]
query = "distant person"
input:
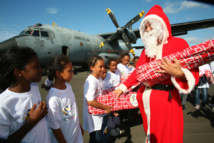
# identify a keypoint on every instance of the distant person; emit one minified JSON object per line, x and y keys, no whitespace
{"x":48,"y":83}
{"x":203,"y":86}
{"x":160,"y":105}
{"x":211,"y":103}
{"x":183,"y":100}
{"x":123,"y":64}
{"x":135,"y":60}
{"x":95,"y":125}
{"x":21,"y":110}
{"x":63,"y":118}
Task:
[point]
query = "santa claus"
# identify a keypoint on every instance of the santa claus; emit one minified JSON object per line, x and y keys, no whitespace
{"x":160,"y":105}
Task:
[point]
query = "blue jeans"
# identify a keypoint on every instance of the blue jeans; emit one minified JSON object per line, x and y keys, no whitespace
{"x":100,"y":136}
{"x":197,"y":96}
{"x":113,"y":122}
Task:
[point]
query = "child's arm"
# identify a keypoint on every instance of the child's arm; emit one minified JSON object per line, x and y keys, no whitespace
{"x":35,"y":116}
{"x":98,"y":105}
{"x":59,"y":136}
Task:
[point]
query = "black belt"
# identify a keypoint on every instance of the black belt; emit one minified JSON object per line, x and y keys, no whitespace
{"x":164,"y":87}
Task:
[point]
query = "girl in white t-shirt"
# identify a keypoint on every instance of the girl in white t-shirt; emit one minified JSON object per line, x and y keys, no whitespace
{"x":112,"y":78}
{"x":123,"y":65}
{"x":95,"y":124}
{"x":21,"y":110}
{"x":63,"y":116}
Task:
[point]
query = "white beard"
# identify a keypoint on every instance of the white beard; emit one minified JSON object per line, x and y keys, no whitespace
{"x":150,"y":38}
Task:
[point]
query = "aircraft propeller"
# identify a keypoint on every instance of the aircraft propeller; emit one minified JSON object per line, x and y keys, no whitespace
{"x":121,"y":30}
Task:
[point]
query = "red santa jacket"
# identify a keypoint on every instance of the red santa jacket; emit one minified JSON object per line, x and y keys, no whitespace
{"x":170,"y":45}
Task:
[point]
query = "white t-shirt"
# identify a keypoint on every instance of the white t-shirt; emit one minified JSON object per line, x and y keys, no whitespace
{"x":212,"y":67}
{"x":14,"y":111}
{"x":124,"y":69}
{"x":111,"y":80}
{"x":63,"y":114}
{"x":92,"y":88}
{"x":202,"y":70}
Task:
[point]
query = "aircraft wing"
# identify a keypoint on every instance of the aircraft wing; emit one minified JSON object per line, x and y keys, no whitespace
{"x":177,"y":29}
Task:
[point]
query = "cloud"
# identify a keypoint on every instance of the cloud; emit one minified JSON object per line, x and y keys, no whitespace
{"x":4,"y":35}
{"x":148,"y":1}
{"x":179,"y":6}
{"x":192,"y":40}
{"x":51,"y":10}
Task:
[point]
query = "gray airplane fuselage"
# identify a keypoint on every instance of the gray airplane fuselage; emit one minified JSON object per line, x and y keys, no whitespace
{"x":48,"y":41}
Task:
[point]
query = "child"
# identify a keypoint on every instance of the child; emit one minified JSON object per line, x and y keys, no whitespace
{"x":63,"y":116}
{"x":123,"y":61}
{"x":135,"y":60}
{"x":95,"y":124}
{"x":21,"y":110}
{"x":112,"y":79}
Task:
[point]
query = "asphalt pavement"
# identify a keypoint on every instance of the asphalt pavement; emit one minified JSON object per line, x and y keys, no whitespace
{"x":197,"y":123}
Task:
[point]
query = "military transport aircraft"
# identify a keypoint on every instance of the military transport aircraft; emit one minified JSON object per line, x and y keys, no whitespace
{"x":50,"y":40}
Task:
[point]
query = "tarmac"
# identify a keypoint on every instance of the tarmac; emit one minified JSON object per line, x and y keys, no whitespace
{"x":197,"y":123}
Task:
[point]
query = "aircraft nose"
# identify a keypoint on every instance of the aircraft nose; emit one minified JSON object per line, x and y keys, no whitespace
{"x":7,"y":44}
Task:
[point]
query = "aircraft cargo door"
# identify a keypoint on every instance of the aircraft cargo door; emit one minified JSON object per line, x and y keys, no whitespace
{"x":89,"y":49}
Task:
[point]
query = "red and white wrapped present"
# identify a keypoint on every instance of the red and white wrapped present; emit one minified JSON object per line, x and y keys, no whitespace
{"x":108,"y":97}
{"x":126,"y":101}
{"x":190,"y":58}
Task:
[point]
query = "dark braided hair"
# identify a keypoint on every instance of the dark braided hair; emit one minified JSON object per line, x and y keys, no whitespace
{"x":13,"y":58}
{"x":110,"y":60}
{"x":122,"y":56}
{"x":93,"y":60}
{"x":57,"y":63}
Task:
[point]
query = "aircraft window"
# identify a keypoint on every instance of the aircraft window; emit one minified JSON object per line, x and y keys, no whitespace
{"x":35,"y":33}
{"x":28,"y":32}
{"x":76,"y":37}
{"x":44,"y":34}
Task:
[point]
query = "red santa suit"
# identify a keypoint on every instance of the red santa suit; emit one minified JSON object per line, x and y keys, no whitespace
{"x":162,"y":116}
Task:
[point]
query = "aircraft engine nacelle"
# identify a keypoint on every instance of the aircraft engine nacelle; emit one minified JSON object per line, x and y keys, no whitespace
{"x":132,"y":37}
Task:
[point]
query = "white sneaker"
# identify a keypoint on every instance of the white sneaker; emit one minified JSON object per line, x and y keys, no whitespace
{"x":114,"y":133}
{"x":120,"y":131}
{"x":197,"y":106}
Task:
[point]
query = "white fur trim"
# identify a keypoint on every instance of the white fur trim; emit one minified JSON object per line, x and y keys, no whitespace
{"x":123,"y":88}
{"x":146,"y":103}
{"x":153,"y":16}
{"x":190,"y":81}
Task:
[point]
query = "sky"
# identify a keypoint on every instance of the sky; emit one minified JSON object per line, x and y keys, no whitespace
{"x":90,"y":16}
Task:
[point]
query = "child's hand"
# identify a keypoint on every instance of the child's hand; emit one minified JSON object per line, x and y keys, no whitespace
{"x":118,"y":92}
{"x":108,"y":109}
{"x":115,"y":114}
{"x":36,"y":114}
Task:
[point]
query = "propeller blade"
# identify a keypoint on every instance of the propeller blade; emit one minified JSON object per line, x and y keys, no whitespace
{"x":110,"y":38}
{"x":112,"y":16}
{"x":135,"y":19}
{"x":126,"y":40}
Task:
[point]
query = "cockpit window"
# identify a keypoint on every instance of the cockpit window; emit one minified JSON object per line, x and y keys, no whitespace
{"x":44,"y":34}
{"x":36,"y":33}
{"x":28,"y":32}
